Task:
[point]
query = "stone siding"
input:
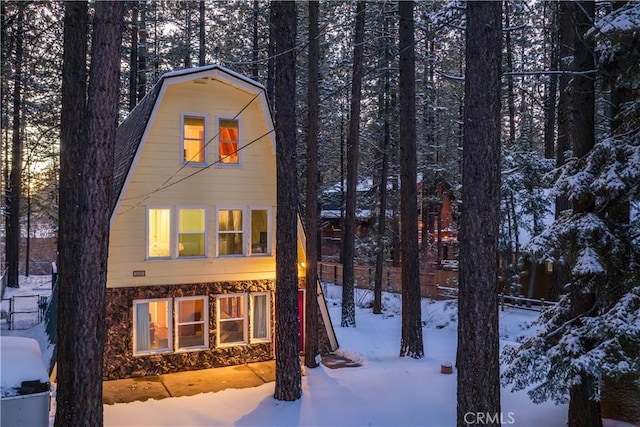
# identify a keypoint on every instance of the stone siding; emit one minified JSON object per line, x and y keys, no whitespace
{"x":119,"y":361}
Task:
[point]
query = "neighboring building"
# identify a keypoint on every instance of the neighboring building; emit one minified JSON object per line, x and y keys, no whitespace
{"x":191,"y":269}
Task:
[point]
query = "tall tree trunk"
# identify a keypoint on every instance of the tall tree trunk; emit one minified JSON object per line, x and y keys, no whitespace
{"x":88,"y":138}
{"x":353,"y":141}
{"x":561,"y":271}
{"x":201,"y":33}
{"x":187,"y":35}
{"x":478,"y":364}
{"x":288,"y":372}
{"x":142,"y":51}
{"x":271,"y":61}
{"x":255,"y":47}
{"x":313,"y":109}
{"x":552,"y":92}
{"x":383,"y":103}
{"x":583,"y":411}
{"x":4,"y":118}
{"x":510,"y":94}
{"x":411,"y":338}
{"x":133,"y":59}
{"x":15,"y":178}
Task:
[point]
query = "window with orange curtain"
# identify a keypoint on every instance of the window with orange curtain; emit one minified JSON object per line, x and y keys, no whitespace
{"x":228,"y":141}
{"x":193,"y":142}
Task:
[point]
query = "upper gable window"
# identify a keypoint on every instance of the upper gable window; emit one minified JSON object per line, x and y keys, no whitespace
{"x":193,"y":145}
{"x":228,"y":142}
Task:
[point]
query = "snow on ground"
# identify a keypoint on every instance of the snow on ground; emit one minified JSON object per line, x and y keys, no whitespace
{"x":385,"y":391}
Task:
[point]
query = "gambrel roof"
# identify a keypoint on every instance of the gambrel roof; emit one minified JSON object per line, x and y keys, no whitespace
{"x":131,"y":132}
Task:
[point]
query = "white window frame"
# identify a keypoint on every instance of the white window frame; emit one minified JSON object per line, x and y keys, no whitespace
{"x":204,"y":322}
{"x":243,"y":230}
{"x":252,"y":322}
{"x":250,"y":228}
{"x":205,"y":118}
{"x":172,"y":242}
{"x":245,"y":319}
{"x":176,"y":234}
{"x":169,"y":347}
{"x":217,"y":149}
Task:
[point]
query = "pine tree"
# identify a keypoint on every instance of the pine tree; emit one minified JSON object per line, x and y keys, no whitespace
{"x":88,"y":137}
{"x":593,"y":334}
{"x":477,"y":357}
{"x":349,"y":225}
{"x":288,"y":372}
{"x":411,"y":339}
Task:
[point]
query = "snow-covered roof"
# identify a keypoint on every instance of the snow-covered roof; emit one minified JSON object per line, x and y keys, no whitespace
{"x":20,"y":361}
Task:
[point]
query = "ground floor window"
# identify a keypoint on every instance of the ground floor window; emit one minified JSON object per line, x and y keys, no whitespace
{"x":158,"y":328}
{"x":192,"y":320}
{"x":243,"y":318}
{"x":232,"y":319}
{"x":152,"y":326}
{"x":166,"y":325}
{"x":260,"y":317}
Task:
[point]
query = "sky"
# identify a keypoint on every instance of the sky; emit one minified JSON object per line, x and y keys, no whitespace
{"x":385,"y":391}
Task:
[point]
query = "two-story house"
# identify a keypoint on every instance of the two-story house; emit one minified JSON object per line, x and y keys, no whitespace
{"x":191,"y":268}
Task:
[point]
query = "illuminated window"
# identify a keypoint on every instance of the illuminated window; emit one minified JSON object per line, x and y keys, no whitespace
{"x":194,"y":139}
{"x":259,"y":231}
{"x":228,"y":141}
{"x":159,"y":233}
{"x":192,"y":321}
{"x":230,"y":232}
{"x":191,"y":232}
{"x":260,"y":317}
{"x":152,"y":326}
{"x":232,"y":319}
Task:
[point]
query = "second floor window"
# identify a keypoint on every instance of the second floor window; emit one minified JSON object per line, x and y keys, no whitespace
{"x":191,"y":232}
{"x":230,"y":232}
{"x":194,"y":139}
{"x":228,"y":142}
{"x":168,"y":238}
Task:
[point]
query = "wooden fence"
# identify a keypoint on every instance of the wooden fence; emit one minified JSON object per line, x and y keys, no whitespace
{"x":391,"y":278}
{"x":535,"y":304}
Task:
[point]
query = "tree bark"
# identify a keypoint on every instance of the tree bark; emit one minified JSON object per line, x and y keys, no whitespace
{"x":288,"y":372}
{"x":255,"y":47}
{"x":478,"y":362}
{"x":15,"y":178}
{"x":384,"y":105}
{"x":133,"y":59}
{"x":313,"y":109}
{"x":88,"y":141}
{"x":411,"y":337}
{"x":552,"y":92}
{"x":583,"y":411}
{"x":561,"y":271}
{"x":201,"y":33}
{"x":353,"y":141}
{"x":142,"y":51}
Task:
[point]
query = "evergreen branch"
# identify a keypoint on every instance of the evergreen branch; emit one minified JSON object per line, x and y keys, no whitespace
{"x":569,"y":322}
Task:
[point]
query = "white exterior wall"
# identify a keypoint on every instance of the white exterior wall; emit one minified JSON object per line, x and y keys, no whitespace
{"x":252,"y":184}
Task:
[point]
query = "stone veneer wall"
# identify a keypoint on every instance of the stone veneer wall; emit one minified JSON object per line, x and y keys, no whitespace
{"x":119,"y":361}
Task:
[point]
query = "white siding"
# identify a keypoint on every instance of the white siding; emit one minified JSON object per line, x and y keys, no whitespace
{"x":253,"y":183}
